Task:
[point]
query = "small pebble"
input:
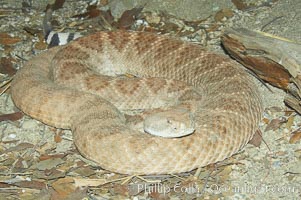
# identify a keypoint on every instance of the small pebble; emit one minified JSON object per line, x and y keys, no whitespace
{"x":29,"y":124}
{"x":12,"y":136}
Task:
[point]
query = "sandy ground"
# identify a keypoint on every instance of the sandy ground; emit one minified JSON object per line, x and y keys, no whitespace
{"x":270,"y":171}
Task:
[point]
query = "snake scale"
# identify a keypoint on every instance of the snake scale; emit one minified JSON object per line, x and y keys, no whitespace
{"x":63,"y":87}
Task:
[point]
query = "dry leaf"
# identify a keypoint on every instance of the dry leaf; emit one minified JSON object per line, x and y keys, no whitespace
{"x":128,"y":18}
{"x":11,"y":117}
{"x":275,"y":109}
{"x":84,"y":171}
{"x":49,"y":174}
{"x":79,"y":193}
{"x":92,"y":11}
{"x":56,"y":5}
{"x":63,"y":187}
{"x":107,"y":15}
{"x":213,"y":27}
{"x":265,"y":120}
{"x":6,"y":39}
{"x":240,"y":5}
{"x":20,"y":147}
{"x":58,"y":138}
{"x":47,"y":156}
{"x":158,"y":196}
{"x":31,"y":184}
{"x":275,"y":124}
{"x":194,"y":24}
{"x":6,"y":66}
{"x":257,"y":139}
{"x":122,"y":190}
{"x":49,"y":164}
{"x":224,"y":13}
{"x":290,"y":121}
{"x":295,"y":137}
{"x":31,"y":31}
{"x":41,"y":44}
{"x":58,"y":135}
{"x":4,"y":185}
{"x":20,"y":164}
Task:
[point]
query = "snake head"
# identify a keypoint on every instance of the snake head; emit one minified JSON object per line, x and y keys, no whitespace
{"x":170,"y":123}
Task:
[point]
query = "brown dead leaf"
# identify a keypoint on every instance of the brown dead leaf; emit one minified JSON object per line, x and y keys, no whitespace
{"x":224,"y":13}
{"x":213,"y":27}
{"x":64,"y":186}
{"x":158,"y":196}
{"x":9,"y":161}
{"x":49,"y":174}
{"x":275,"y":124}
{"x":11,"y":117}
{"x":49,"y":164}
{"x":290,"y":122}
{"x":20,"y":164}
{"x":43,"y":194}
{"x":84,"y":171}
{"x":92,"y":11}
{"x":31,"y":184}
{"x":295,"y":137}
{"x":80,"y":163}
{"x":128,"y":18}
{"x":281,"y":153}
{"x":79,"y":193}
{"x":170,"y":27}
{"x":275,"y":109}
{"x":19,"y":147}
{"x":32,"y":31}
{"x":195,"y":23}
{"x":265,"y":120}
{"x":47,"y":156}
{"x":56,"y":5}
{"x":288,"y":112}
{"x":41,"y":44}
{"x":107,"y":15}
{"x":6,"y":39}
{"x":122,"y":190}
{"x":4,"y":185}
{"x":4,"y":168}
{"x":239,"y":4}
{"x":58,"y":136}
{"x":257,"y":139}
{"x":134,"y":189}
{"x":6,"y":66}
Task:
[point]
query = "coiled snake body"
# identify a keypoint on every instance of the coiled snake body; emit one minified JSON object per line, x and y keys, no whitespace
{"x":60,"y":88}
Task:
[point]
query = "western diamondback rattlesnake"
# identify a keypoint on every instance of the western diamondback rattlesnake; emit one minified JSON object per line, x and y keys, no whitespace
{"x":225,"y":121}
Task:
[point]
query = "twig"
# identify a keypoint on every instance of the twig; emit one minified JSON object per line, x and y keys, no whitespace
{"x":270,"y":22}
